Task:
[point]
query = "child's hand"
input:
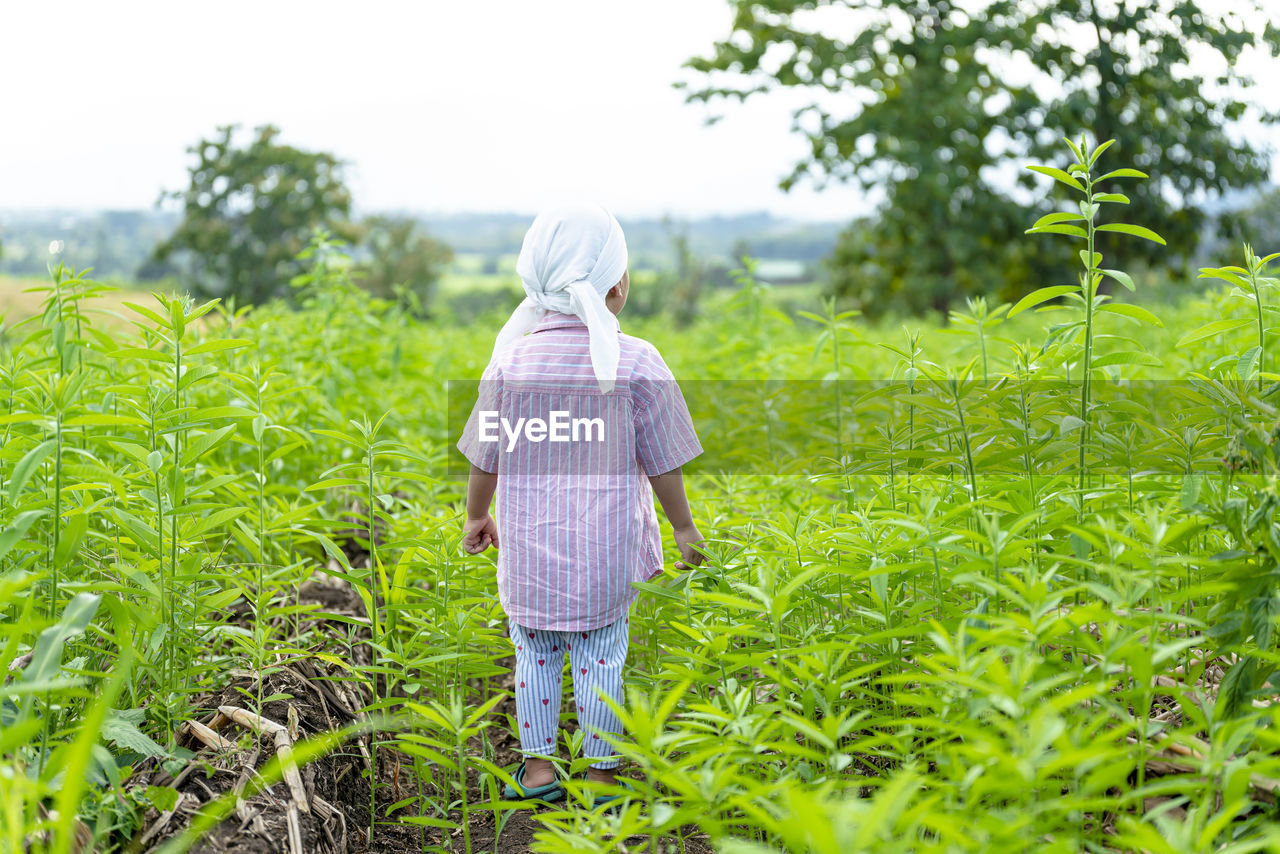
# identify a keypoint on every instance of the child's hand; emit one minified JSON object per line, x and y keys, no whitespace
{"x":686,"y":539}
{"x":479,"y":534}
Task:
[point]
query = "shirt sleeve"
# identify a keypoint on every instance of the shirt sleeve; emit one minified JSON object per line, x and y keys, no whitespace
{"x":665,"y":438}
{"x":479,"y":442}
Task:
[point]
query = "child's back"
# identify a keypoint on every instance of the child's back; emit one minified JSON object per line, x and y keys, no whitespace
{"x":576,"y":428}
{"x":576,"y":509}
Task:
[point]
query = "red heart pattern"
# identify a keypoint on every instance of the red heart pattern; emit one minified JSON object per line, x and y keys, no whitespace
{"x":546,"y":701}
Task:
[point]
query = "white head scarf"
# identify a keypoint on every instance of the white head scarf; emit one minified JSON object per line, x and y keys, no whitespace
{"x":571,"y":256}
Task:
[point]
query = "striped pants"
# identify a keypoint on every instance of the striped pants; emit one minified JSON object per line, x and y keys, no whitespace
{"x":596,"y":659}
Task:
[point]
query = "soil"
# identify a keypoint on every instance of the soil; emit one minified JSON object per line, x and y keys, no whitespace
{"x":310,"y":698}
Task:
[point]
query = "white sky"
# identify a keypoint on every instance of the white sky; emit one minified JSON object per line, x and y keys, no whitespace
{"x":461,"y":106}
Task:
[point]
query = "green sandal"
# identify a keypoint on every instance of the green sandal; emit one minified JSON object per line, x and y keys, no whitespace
{"x":553,"y":791}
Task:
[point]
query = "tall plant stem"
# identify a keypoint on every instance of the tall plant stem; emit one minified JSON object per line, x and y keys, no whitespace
{"x":1088,"y":283}
{"x":1252,"y":263}
{"x":57,"y":514}
{"x":373,"y":632}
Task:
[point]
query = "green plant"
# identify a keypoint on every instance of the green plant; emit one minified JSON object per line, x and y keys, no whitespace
{"x":1080,"y":178}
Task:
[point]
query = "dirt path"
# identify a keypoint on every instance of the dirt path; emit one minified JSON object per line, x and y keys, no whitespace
{"x":326,"y":808}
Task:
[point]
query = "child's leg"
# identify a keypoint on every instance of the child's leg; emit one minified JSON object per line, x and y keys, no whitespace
{"x":538,"y":677}
{"x":597,"y":658}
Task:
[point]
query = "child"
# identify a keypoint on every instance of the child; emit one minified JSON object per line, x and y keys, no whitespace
{"x":575,"y":516}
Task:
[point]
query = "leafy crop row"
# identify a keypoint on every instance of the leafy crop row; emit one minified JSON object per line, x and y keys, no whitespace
{"x":949,"y":650}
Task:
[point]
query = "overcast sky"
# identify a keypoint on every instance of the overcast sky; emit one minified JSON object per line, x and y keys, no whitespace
{"x":460,"y":106}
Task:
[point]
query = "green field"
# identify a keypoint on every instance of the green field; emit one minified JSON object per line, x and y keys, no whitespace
{"x":941,"y":632}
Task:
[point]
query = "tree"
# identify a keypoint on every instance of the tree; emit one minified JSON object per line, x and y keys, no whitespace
{"x":1261,"y":222}
{"x":950,"y":98}
{"x":249,"y":210}
{"x":401,"y":256}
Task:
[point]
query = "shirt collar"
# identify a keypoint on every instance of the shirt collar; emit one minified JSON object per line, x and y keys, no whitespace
{"x":560,"y":320}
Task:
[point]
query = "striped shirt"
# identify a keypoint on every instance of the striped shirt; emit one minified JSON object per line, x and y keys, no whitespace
{"x":575,"y":512}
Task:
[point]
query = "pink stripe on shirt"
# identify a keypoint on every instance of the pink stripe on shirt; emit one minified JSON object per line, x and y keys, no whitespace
{"x":576,"y":519}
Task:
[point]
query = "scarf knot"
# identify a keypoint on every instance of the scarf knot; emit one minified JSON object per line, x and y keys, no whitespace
{"x":570,"y":258}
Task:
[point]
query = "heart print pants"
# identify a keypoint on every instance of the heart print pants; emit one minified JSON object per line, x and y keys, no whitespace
{"x":596,"y":658}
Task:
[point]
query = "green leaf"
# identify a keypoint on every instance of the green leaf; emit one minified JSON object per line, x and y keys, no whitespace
{"x":162,"y":322}
{"x":10,"y":536}
{"x":218,"y":345}
{"x":1126,"y":357}
{"x":201,"y":310}
{"x":27,"y":465}
{"x":1135,"y":230}
{"x":1114,"y":198}
{"x":1247,"y":364}
{"x":140,"y":353}
{"x":1120,"y":276}
{"x":1136,"y":312}
{"x":1059,"y":228}
{"x":162,"y":798}
{"x":1237,"y":685}
{"x":1262,"y":612}
{"x":214,"y":520}
{"x":1225,"y":276}
{"x":121,"y":728}
{"x":1091,"y":262}
{"x":1069,"y":424}
{"x":203,"y":444}
{"x":1217,"y":327}
{"x":1093,"y":158}
{"x":355,"y":441}
{"x":73,"y":531}
{"x":880,"y":580}
{"x":333,"y":482}
{"x":1042,"y":295}
{"x":1060,"y":216}
{"x":1126,"y":172}
{"x":102,"y":419}
{"x":1191,"y":490}
{"x":46,"y":659}
{"x":1058,"y":175}
{"x":657,"y":590}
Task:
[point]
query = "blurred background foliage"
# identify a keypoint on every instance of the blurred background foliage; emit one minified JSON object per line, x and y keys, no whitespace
{"x":935,"y":108}
{"x":928,"y":106}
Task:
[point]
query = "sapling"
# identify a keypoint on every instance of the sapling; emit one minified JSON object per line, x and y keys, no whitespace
{"x":1082,"y":225}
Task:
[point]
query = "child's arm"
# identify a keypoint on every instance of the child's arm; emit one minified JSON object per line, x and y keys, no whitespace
{"x":669,"y":487}
{"x":479,"y":531}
